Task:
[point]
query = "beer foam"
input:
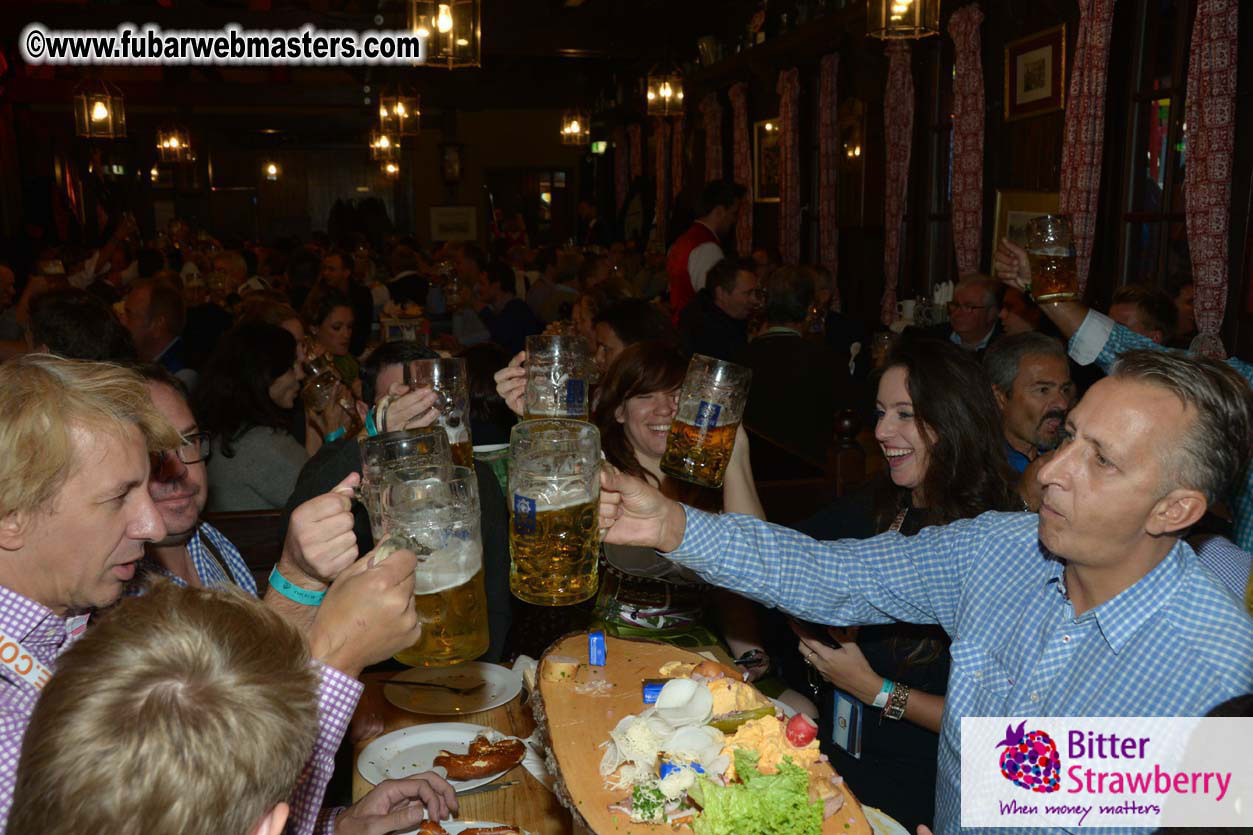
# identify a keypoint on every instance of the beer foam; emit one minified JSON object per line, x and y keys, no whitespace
{"x":449,"y":567}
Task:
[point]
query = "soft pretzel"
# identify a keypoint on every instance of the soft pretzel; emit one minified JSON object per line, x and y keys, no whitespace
{"x":484,"y":758}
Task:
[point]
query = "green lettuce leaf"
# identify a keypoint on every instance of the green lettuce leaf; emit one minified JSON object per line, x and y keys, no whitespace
{"x":764,"y":804}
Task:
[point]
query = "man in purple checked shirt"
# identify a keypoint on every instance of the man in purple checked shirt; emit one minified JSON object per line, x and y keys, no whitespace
{"x":75,"y":514}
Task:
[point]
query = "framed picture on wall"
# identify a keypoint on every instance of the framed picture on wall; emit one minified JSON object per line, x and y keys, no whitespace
{"x":1035,"y":74}
{"x":1015,"y":209}
{"x":767,"y":161}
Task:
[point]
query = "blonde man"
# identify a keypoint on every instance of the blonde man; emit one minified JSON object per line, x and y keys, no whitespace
{"x":196,"y":710}
{"x":75,"y":514}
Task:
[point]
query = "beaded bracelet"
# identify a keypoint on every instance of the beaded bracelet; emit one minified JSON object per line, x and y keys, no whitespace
{"x":293,"y":592}
{"x":896,"y":702}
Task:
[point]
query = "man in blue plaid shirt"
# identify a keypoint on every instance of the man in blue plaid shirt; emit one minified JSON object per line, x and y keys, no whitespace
{"x":1094,"y":608}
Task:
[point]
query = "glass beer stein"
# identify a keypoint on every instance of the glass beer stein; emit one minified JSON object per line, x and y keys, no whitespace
{"x":449,"y":378}
{"x":554,"y":490}
{"x":558,"y":375}
{"x":1051,"y":248}
{"x":394,"y":453}
{"x":702,"y":434}
{"x":434,"y":512}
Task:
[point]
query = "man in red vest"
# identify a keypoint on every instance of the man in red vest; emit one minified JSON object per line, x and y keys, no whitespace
{"x":698,"y":248}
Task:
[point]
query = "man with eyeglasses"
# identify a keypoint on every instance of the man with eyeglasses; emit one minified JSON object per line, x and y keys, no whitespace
{"x":973,"y":314}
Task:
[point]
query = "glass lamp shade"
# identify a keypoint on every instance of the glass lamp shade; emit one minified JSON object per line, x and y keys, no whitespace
{"x":384,"y":147}
{"x":575,"y":128}
{"x":664,"y":93}
{"x":270,"y":170}
{"x":391,"y":169}
{"x":399,"y":114}
{"x":173,"y":144}
{"x":99,"y":111}
{"x":899,"y":19}
{"x":452,"y":30}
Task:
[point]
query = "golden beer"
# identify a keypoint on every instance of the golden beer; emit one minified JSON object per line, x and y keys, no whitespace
{"x":1054,"y":278}
{"x":697,"y":453}
{"x":463,"y":453}
{"x":454,"y":625}
{"x":555,"y":552}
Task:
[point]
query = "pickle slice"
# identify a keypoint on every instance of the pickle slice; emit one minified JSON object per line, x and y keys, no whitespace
{"x":729,"y":723}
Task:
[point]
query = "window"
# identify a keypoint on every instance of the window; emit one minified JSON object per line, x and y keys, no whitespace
{"x":1154,"y":240}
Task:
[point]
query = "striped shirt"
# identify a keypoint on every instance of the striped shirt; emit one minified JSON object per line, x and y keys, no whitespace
{"x":1101,"y":340}
{"x":1018,"y":647}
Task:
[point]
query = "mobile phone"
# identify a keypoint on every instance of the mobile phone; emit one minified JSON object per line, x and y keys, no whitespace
{"x":813,"y":632}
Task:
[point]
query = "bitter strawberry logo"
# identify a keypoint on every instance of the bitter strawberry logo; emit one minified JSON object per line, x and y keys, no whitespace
{"x":1030,"y":759}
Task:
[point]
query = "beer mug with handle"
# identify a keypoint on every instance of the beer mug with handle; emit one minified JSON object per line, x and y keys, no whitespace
{"x":1051,"y":250}
{"x":449,"y":379}
{"x":434,"y":512}
{"x":702,"y":434}
{"x":395,"y":453}
{"x":558,"y":375}
{"x":554,"y":493}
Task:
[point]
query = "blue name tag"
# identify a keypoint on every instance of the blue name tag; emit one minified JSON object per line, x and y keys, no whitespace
{"x":576,"y":396}
{"x":523,"y":514}
{"x":846,"y":715}
{"x":707,"y":414}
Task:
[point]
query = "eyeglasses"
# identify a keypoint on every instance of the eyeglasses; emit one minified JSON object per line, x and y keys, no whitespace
{"x":196,"y":447}
{"x":966,"y":308}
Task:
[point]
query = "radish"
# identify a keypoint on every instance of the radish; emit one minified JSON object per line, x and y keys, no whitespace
{"x":801,"y":730}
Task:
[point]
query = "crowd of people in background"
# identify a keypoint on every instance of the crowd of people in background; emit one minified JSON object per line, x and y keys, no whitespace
{"x":217,"y":357}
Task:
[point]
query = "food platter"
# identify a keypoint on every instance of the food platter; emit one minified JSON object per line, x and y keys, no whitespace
{"x":578,"y":711}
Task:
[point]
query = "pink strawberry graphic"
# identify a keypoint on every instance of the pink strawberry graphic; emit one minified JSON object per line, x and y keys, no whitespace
{"x":1030,"y":760}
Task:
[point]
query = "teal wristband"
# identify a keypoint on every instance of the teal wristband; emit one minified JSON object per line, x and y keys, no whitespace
{"x":294,"y":592}
{"x":884,"y":691}
{"x":336,"y":435}
{"x":371,"y":429}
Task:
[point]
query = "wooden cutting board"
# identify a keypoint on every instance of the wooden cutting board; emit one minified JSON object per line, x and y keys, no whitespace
{"x":576,"y":724}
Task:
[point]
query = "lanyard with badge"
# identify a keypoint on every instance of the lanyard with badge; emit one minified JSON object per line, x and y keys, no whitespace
{"x":23,"y":664}
{"x":846,"y":709}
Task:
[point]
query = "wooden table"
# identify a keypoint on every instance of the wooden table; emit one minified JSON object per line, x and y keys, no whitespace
{"x":528,"y":804}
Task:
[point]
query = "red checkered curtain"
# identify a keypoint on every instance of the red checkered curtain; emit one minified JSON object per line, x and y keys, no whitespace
{"x":676,"y":158}
{"x":789,"y":89}
{"x":743,"y":166}
{"x":1085,"y":128}
{"x":898,"y":128}
{"x":963,"y":27}
{"x":828,"y":168}
{"x":635,"y":134}
{"x":621,"y":169}
{"x":711,"y":113}
{"x":661,"y":133}
{"x":1211,"y":120}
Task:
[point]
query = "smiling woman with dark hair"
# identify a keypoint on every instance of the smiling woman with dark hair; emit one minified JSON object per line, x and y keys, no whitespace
{"x":249,"y":383}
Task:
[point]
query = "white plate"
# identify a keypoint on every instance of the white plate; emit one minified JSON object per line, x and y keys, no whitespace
{"x":500,"y":685}
{"x":788,"y":710}
{"x":881,"y":824}
{"x":413,"y":750}
{"x":454,"y":826}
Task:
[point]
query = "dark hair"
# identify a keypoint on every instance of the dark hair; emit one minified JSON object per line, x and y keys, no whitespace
{"x":635,"y":320}
{"x":1156,"y":308}
{"x":165,"y":301}
{"x":149,"y":262}
{"x":233,"y":394}
{"x":389,"y":353}
{"x":789,"y":294}
{"x":302,"y":268}
{"x":643,"y":368}
{"x":502,"y":275}
{"x":76,"y":324}
{"x":156,"y":373}
{"x":722,"y":275}
{"x":718,"y":193}
{"x":486,"y":405}
{"x":342,"y":254}
{"x":321,"y":302}
{"x":477,"y":255}
{"x":967,"y":471}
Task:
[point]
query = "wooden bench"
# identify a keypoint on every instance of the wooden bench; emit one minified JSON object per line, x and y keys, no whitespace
{"x":258,"y":536}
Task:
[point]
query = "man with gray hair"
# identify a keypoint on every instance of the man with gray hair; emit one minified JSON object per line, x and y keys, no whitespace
{"x":1092,"y":608}
{"x":974,"y":320}
{"x":1030,"y":378}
